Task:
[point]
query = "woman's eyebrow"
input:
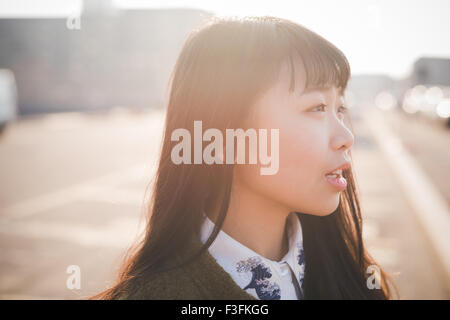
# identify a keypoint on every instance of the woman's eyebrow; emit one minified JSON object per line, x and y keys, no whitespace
{"x":322,"y":88}
{"x":340,"y":95}
{"x":311,"y":89}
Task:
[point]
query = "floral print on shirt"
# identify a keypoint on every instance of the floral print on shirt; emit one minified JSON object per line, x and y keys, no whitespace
{"x":265,"y":289}
{"x":301,"y":262}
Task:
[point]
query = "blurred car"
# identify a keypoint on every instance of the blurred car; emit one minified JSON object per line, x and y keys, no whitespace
{"x":430,"y":102}
{"x":8,"y":98}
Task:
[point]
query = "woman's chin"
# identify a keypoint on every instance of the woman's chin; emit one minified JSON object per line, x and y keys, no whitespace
{"x":326,"y":208}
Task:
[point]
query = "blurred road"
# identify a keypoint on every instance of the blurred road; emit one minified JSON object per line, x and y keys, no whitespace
{"x":394,"y":235}
{"x":72,"y":187}
{"x":428,"y":142}
{"x":71,"y":193}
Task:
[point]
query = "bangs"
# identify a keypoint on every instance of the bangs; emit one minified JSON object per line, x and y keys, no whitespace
{"x":324,"y":64}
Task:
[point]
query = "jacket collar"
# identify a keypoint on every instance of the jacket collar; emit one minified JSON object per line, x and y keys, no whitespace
{"x":209,"y":277}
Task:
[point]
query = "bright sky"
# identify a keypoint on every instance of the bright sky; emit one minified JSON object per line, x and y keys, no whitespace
{"x":377,"y":36}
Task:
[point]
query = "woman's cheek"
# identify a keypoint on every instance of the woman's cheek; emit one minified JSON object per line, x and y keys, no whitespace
{"x":301,"y":148}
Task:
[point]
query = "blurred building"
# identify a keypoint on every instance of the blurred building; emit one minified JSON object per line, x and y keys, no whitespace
{"x":431,"y":71}
{"x":365,"y":87}
{"x":116,"y":57}
{"x":426,"y":71}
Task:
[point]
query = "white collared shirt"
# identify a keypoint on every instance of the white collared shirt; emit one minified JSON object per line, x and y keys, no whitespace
{"x":262,"y":278}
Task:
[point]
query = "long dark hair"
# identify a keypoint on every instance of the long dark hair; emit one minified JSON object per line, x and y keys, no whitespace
{"x":223,"y":67}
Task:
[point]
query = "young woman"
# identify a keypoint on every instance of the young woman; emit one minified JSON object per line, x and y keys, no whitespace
{"x":226,"y":231}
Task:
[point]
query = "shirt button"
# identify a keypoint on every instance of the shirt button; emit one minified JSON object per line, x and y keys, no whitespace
{"x":284,"y":269}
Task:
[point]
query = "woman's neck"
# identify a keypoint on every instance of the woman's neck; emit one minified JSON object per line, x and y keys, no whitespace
{"x":256,"y":222}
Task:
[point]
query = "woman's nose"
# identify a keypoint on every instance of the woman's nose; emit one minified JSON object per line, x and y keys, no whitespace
{"x":342,"y":137}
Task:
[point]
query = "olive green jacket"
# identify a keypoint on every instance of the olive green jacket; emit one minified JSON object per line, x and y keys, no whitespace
{"x":203,"y":279}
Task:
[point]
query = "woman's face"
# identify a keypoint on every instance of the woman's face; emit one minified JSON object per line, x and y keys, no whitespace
{"x":313,"y":140}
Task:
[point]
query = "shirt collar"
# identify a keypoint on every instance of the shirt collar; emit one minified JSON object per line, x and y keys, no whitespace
{"x":233,"y":255}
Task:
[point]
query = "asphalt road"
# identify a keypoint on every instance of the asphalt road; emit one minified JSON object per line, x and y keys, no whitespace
{"x":72,"y":191}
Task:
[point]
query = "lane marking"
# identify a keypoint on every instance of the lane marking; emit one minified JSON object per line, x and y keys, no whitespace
{"x":117,"y":233}
{"x":89,"y":188}
{"x":429,"y":205}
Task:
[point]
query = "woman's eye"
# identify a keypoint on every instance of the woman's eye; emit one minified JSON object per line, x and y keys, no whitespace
{"x":320,"y":107}
{"x":343,"y":110}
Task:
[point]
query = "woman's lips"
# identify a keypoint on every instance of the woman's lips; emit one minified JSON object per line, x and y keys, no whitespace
{"x":337,"y":181}
{"x":335,"y":177}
